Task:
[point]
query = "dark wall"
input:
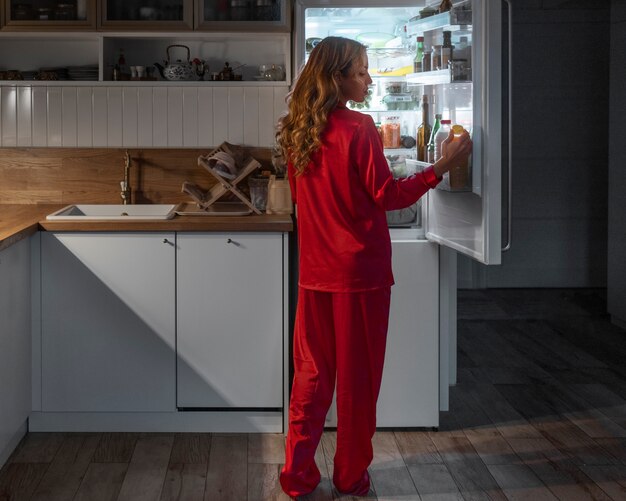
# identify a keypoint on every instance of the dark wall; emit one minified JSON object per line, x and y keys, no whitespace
{"x":616,"y":282}
{"x":560,"y":148}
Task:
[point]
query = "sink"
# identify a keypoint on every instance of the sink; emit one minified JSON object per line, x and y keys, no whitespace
{"x":114,"y":212}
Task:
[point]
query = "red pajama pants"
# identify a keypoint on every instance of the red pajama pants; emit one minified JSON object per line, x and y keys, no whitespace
{"x":338,"y":336}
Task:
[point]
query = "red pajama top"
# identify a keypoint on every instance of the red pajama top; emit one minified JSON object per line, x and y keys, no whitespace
{"x":341,"y":199}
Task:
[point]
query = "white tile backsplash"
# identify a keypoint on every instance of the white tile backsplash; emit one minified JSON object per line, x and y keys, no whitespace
{"x":139,"y":117}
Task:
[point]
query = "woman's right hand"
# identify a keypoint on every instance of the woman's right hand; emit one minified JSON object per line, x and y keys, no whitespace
{"x":454,"y":150}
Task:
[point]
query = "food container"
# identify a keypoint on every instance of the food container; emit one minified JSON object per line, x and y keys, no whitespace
{"x":399,"y":102}
{"x":395,"y":87}
{"x":391,"y":132}
{"x":459,"y":69}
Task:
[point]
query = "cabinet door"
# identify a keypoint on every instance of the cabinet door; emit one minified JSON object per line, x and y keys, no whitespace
{"x":50,"y":15}
{"x":243,"y":15}
{"x":230,"y":320}
{"x":15,"y":342}
{"x":108,"y":310}
{"x":146,"y":15}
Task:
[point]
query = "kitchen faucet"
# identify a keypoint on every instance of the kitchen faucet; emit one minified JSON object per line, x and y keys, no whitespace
{"x":125,"y":185}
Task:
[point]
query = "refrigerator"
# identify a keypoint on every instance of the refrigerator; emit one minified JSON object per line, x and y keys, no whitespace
{"x":464,"y":85}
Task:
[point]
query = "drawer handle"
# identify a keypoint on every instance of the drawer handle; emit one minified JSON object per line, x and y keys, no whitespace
{"x":231,"y":241}
{"x":166,"y":241}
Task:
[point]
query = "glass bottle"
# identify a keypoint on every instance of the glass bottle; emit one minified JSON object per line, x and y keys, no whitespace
{"x":419,"y":55}
{"x":445,"y":6}
{"x":441,"y":136}
{"x":124,"y":73}
{"x":423,"y":131}
{"x":430,"y":147}
{"x":446,"y":49}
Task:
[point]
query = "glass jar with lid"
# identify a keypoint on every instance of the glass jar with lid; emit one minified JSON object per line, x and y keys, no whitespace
{"x":390,"y":129}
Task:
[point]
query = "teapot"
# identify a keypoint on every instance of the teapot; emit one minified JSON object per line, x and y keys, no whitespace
{"x":179,"y":70}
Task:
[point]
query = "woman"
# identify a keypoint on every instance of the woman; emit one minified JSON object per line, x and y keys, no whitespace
{"x":342,"y":187}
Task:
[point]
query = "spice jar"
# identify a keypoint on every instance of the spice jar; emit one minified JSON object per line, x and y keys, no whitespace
{"x":391,"y":132}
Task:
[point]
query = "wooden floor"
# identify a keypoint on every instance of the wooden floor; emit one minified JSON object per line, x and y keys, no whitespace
{"x":539,"y":413}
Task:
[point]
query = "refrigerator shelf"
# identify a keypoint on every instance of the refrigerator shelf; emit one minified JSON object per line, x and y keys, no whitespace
{"x":432,"y":78}
{"x":438,"y":21}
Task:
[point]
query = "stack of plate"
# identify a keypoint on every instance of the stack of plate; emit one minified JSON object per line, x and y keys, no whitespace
{"x":61,"y":73}
{"x":87,"y":72}
{"x":29,"y":75}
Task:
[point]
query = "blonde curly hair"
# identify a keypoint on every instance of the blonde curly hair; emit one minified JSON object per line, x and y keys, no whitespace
{"x":314,"y":95}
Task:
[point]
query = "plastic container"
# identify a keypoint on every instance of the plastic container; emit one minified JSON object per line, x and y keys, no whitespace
{"x":258,"y":191}
{"x":440,"y":137}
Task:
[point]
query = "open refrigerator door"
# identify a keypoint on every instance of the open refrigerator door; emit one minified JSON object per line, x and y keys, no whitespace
{"x":456,"y":76}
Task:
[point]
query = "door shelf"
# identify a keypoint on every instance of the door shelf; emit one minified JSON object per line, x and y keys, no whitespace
{"x":448,"y":20}
{"x":433,"y":78}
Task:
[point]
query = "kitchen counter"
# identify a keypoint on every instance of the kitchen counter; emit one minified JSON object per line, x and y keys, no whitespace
{"x":21,"y":221}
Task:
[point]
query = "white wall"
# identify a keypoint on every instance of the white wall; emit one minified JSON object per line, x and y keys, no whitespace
{"x":560,"y":144}
{"x":134,"y":116}
{"x":616,"y":282}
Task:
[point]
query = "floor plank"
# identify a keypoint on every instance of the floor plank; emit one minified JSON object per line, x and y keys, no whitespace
{"x":227,"y":476}
{"x":102,"y":482}
{"x":191,"y":448}
{"x":68,"y":468}
{"x":147,"y":469}
{"x":184,"y":482}
{"x":267,"y":448}
{"x":115,"y":448}
{"x":564,"y":479}
{"x":467,"y":469}
{"x":18,"y":481}
{"x":263,"y":483}
{"x":519,"y":483}
{"x":434,"y":482}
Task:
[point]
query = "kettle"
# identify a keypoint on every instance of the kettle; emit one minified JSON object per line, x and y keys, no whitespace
{"x":179,"y":70}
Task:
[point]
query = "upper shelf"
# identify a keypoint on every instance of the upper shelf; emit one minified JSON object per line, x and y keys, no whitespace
{"x":456,"y":20}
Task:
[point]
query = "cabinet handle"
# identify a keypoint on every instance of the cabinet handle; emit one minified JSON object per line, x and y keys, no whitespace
{"x":231,"y":241}
{"x":166,"y":241}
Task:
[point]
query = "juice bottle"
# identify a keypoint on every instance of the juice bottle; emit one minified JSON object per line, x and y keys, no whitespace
{"x":458,"y":176}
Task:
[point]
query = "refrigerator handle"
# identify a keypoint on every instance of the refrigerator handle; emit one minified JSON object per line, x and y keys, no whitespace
{"x":510,"y":120}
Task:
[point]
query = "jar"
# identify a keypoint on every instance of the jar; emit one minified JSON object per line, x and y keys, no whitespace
{"x":239,"y":10}
{"x":65,"y":12}
{"x":264,"y":10}
{"x":391,"y":132}
{"x":458,"y":69}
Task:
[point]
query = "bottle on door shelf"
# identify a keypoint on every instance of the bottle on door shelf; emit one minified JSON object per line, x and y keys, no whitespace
{"x":440,"y":137}
{"x":444,"y":6}
{"x":446,"y":49}
{"x":423,"y":131}
{"x":458,"y":176}
{"x":430,"y":147}
{"x":419,"y":55}
{"x":123,"y":72}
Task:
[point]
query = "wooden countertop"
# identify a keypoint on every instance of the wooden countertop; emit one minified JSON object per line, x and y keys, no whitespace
{"x":21,"y":221}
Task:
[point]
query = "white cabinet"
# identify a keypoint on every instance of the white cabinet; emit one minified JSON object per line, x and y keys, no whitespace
{"x":15,"y":345}
{"x":230,"y":320}
{"x":409,"y":393}
{"x":108,"y":329}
